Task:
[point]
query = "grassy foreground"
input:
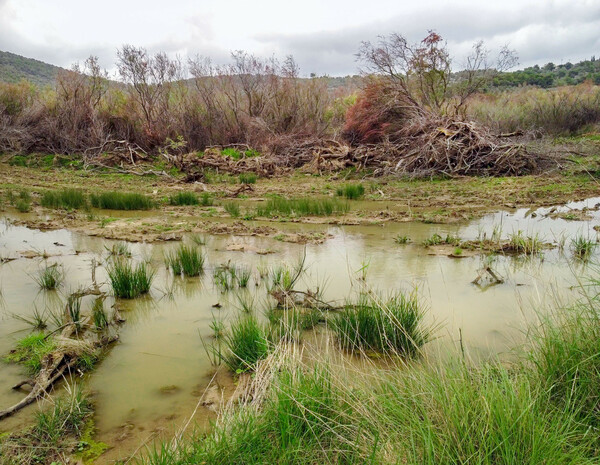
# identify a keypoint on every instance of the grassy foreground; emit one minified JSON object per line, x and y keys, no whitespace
{"x":542,"y":409}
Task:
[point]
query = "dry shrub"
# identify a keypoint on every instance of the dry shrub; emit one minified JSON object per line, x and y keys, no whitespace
{"x":561,"y":111}
{"x":392,"y":133}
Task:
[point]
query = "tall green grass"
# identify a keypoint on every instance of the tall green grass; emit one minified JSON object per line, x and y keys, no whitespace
{"x":351,"y":191}
{"x":56,"y":433}
{"x":70,"y":199}
{"x":30,"y":351}
{"x":186,"y":260}
{"x":301,"y":207}
{"x":129,"y":281}
{"x":247,"y":343}
{"x":583,"y":247}
{"x":121,"y":201}
{"x":184,"y":198}
{"x":566,"y":357}
{"x":394,"y":326}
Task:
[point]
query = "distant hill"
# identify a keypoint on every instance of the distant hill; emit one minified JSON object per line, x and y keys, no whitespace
{"x":551,"y":75}
{"x":14,"y":67}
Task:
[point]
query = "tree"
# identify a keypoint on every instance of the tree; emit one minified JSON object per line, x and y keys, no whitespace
{"x":422,"y":72}
{"x":151,"y":78}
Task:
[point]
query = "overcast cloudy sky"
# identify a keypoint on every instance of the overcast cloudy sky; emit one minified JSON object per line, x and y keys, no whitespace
{"x":322,"y":35}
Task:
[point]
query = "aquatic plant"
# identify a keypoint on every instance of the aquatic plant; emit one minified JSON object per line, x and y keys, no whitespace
{"x":401,"y":239}
{"x":50,"y":278}
{"x":301,"y":207}
{"x":69,"y":199}
{"x":394,"y":326}
{"x":184,"y":198}
{"x":121,"y":201}
{"x":243,"y":275}
{"x":37,"y":320}
{"x":99,"y":316}
{"x":351,"y":191}
{"x":198,"y":239}
{"x":73,"y":308}
{"x":186,"y":260}
{"x":583,"y":247}
{"x":119,"y":249}
{"x":245,"y":302}
{"x":436,"y":239}
{"x":128,"y":281}
{"x":527,"y":245}
{"x":246,"y":343}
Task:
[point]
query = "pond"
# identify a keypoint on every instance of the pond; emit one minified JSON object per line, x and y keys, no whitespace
{"x":149,"y":383}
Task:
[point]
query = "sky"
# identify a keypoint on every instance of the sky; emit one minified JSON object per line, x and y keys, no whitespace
{"x":322,"y":35}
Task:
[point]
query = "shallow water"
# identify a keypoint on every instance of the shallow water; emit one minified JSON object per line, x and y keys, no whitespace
{"x":152,"y":379}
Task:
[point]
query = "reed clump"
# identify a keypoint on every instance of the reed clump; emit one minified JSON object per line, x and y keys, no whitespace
{"x":297,"y":207}
{"x":186,"y":260}
{"x":393,"y":326}
{"x":351,"y":191}
{"x":129,"y":281}
{"x":184,"y":198}
{"x":50,"y":278}
{"x":121,"y":201}
{"x":68,"y":199}
{"x":246,"y":343}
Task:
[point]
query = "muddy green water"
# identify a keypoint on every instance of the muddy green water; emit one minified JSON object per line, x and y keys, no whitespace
{"x":152,"y":379}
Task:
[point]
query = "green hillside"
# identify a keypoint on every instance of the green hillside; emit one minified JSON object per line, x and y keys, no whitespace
{"x":13,"y":68}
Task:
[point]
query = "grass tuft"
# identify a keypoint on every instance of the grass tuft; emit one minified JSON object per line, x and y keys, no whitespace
{"x":395,"y":326}
{"x":233,"y":208}
{"x":50,"y":278}
{"x":351,"y":191}
{"x":128,"y":281}
{"x":246,"y":343}
{"x":121,"y":201}
{"x":69,"y":199}
{"x":30,"y":351}
{"x":184,"y":198}
{"x":302,"y":207}
{"x":583,"y":247}
{"x":186,"y":260}
{"x":248,"y":178}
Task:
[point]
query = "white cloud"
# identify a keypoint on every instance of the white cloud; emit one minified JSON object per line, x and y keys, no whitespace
{"x":323,"y":36}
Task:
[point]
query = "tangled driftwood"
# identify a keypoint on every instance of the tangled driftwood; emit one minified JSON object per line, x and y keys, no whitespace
{"x":73,"y":341}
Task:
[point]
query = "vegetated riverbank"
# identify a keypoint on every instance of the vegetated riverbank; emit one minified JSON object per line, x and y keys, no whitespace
{"x":542,"y":408}
{"x":161,"y":209}
{"x":169,"y":207}
{"x":241,"y":282}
